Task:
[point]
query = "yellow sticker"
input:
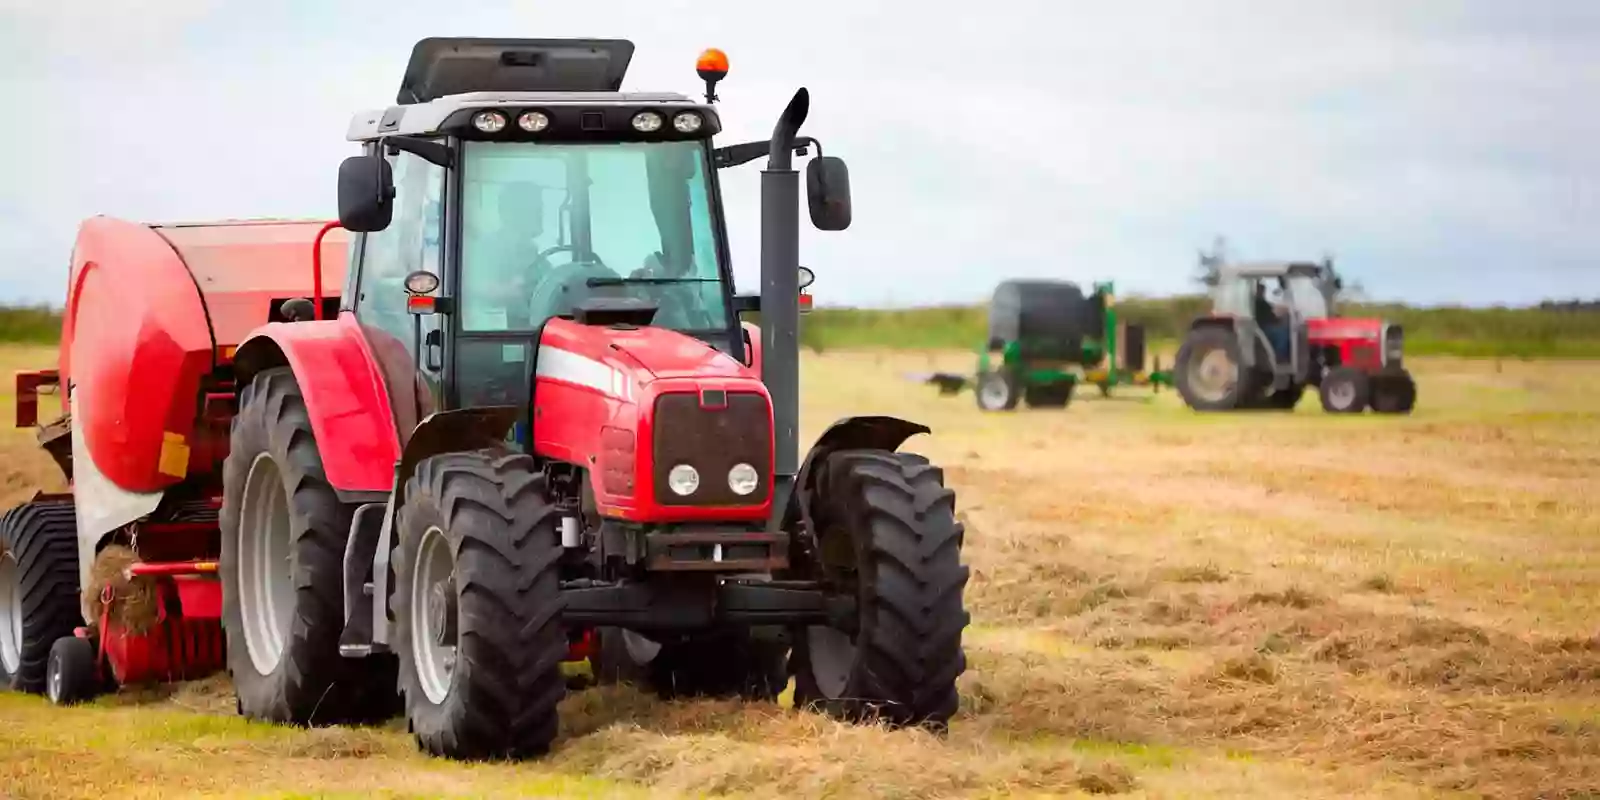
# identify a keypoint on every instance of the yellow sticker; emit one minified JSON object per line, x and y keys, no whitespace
{"x":174,"y":455}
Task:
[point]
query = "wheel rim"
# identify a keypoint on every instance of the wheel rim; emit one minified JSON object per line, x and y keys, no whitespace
{"x":266,"y":569}
{"x":833,"y":656}
{"x":53,"y":680}
{"x":993,"y":393}
{"x":435,"y":633}
{"x":1213,"y":375}
{"x":10,"y":615}
{"x":1341,"y":394}
{"x":640,"y":648}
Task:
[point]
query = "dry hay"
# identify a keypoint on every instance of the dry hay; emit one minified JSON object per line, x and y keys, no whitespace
{"x":135,"y":603}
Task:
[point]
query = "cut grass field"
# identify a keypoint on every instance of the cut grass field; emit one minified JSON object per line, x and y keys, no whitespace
{"x":1164,"y":605}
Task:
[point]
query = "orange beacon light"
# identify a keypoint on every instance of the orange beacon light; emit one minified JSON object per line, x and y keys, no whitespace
{"x":712,"y":66}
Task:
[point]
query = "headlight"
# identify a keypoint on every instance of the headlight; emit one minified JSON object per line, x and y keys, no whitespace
{"x":683,"y":480}
{"x":489,"y":121}
{"x":687,"y":122}
{"x":533,"y":121}
{"x":743,"y":479}
{"x":647,"y":122}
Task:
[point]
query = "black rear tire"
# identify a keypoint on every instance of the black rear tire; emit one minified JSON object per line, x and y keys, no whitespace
{"x":1345,"y":391}
{"x":490,"y":508}
{"x":1054,"y":395}
{"x":1285,"y":399}
{"x":73,"y":675}
{"x":736,"y":662}
{"x":1394,"y":394}
{"x":39,"y":568}
{"x":887,"y":534}
{"x":311,"y":683}
{"x":1201,"y":342}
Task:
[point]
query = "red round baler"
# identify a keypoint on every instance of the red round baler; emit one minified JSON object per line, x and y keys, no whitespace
{"x":153,"y":316}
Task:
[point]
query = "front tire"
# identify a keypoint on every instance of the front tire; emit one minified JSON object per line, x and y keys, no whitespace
{"x":477,"y":607}
{"x":283,"y":538}
{"x":1345,"y":391}
{"x":38,"y":589}
{"x":886,"y":534}
{"x":1394,"y":394}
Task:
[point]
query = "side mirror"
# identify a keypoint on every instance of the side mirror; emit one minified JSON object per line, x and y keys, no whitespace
{"x":366,"y":194}
{"x":828,"y":193}
{"x":807,"y":277}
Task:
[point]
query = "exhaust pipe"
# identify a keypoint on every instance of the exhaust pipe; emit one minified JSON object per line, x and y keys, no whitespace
{"x":780,"y":295}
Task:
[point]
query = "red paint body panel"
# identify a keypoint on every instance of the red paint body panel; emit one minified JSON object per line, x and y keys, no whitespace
{"x":346,"y":398}
{"x":241,"y":267}
{"x":149,"y":306}
{"x":135,"y":340}
{"x":1357,"y":340}
{"x":598,"y":385}
{"x":176,"y":648}
{"x":201,"y":598}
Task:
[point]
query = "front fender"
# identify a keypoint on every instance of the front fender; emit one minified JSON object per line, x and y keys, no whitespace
{"x":452,"y":431}
{"x":344,"y":393}
{"x":850,"y":433}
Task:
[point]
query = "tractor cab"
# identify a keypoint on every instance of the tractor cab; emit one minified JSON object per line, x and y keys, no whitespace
{"x":1304,"y":290}
{"x":481,"y":214}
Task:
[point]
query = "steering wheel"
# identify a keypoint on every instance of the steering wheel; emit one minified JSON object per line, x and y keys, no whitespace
{"x":552,"y":281}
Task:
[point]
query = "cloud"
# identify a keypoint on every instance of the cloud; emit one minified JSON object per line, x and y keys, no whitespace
{"x":1441,"y":149}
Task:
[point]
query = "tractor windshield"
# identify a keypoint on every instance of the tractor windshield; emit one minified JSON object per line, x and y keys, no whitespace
{"x":546,"y":226}
{"x":1306,"y":296}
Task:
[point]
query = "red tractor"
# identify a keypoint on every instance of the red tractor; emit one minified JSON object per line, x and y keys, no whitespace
{"x":1260,"y":349}
{"x":531,"y":430}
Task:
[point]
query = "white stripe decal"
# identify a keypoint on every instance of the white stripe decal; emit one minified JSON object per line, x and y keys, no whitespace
{"x":565,"y":365}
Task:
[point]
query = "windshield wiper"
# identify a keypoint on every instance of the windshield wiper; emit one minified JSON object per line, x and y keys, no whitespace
{"x":625,"y":281}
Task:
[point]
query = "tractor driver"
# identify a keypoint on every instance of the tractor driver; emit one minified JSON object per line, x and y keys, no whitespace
{"x":1272,"y":317}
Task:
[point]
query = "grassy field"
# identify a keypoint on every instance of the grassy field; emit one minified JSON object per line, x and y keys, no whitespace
{"x":1164,"y":605}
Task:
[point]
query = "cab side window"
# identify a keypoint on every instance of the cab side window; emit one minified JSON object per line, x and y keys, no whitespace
{"x":411,"y":242}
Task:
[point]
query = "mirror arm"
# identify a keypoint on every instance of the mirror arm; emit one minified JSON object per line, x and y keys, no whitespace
{"x":435,"y":153}
{"x":736,"y":154}
{"x":744,"y":303}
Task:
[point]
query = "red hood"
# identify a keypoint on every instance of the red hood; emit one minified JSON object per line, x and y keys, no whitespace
{"x":1344,"y":328}
{"x":649,"y":353}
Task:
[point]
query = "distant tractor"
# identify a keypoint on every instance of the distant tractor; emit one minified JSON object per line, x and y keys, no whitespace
{"x":1046,"y":337}
{"x":532,"y":430}
{"x":1273,"y":331}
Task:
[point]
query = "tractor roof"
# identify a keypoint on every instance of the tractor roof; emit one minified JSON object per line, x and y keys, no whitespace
{"x":443,"y":66}
{"x":448,"y":74}
{"x":1270,"y":269}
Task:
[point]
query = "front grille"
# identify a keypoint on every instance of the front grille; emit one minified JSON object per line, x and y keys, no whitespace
{"x":712,"y":440}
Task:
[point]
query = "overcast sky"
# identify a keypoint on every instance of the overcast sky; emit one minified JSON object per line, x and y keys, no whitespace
{"x":1443,"y":151}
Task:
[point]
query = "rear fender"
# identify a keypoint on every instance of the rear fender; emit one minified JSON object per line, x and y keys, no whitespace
{"x":850,"y":433}
{"x":1243,"y":331}
{"x":345,"y":397}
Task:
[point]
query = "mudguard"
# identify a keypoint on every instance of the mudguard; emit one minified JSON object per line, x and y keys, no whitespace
{"x":445,"y":431}
{"x":344,"y":392}
{"x":850,"y":433}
